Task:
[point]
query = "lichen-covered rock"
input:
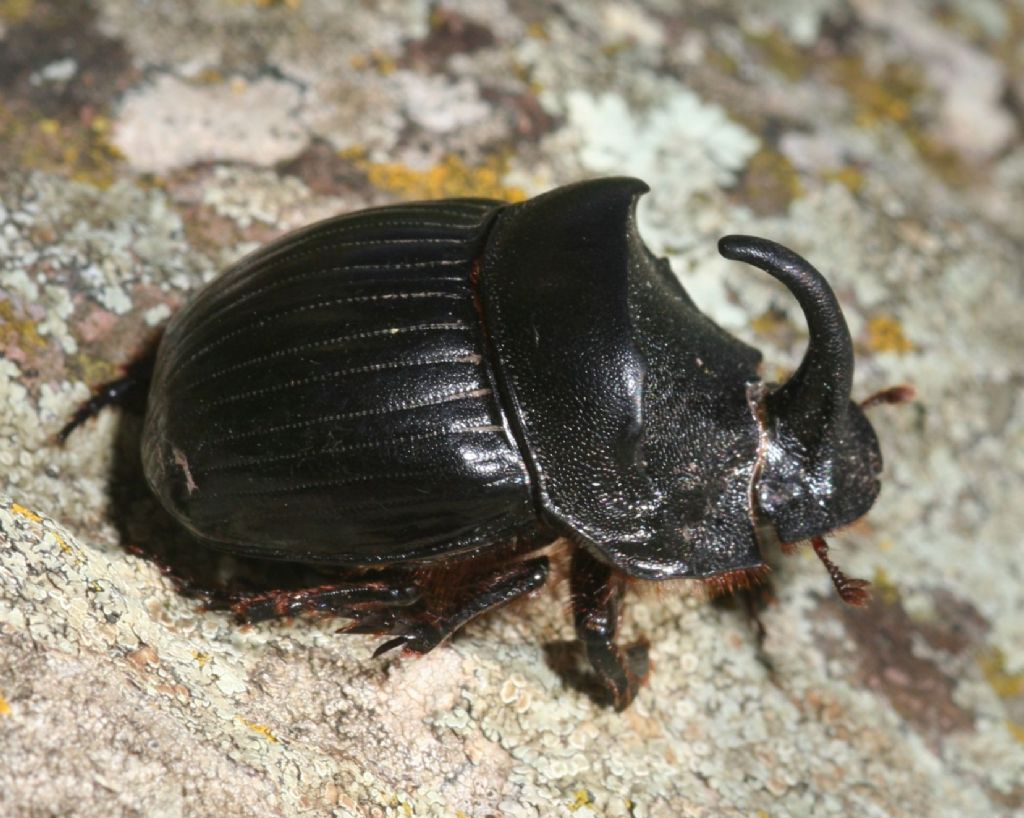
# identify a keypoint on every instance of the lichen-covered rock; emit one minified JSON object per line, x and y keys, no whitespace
{"x":145,"y":146}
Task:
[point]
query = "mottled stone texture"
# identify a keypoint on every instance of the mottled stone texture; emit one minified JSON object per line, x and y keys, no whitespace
{"x":145,"y":145}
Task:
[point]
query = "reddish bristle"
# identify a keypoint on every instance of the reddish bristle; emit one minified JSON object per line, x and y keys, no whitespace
{"x":732,"y":581}
{"x":788,"y":548}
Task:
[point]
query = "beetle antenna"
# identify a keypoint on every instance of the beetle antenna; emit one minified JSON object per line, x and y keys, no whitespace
{"x":851,"y":591}
{"x":903,"y":393}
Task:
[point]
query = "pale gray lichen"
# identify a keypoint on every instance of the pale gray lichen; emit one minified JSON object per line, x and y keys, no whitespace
{"x":234,"y":120}
{"x":251,"y":195}
{"x":689,"y":143}
{"x":973,"y":83}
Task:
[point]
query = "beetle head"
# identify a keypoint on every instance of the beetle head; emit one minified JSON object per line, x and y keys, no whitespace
{"x":820,"y":457}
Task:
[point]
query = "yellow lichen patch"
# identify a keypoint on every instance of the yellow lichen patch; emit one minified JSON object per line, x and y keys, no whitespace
{"x":201,"y":658}
{"x":67,"y":549}
{"x":766,"y":323}
{"x":1008,"y":49}
{"x":721,"y":63}
{"x":883,"y":97}
{"x":537,"y":31}
{"x":449,"y":177}
{"x":849,"y":177}
{"x":888,"y":97}
{"x":209,"y":76}
{"x":25,"y":332}
{"x":884,"y":588}
{"x":581,"y":798}
{"x":81,"y":150}
{"x":5,"y":707}
{"x":262,"y":729}
{"x":354,"y":153}
{"x":61,"y":544}
{"x":13,"y":11}
{"x":377,"y":60}
{"x":885,"y":334}
{"x":941,"y":158}
{"x":90,"y":369}
{"x":613,"y":49}
{"x":781,"y":54}
{"x":21,"y":511}
{"x":1006,"y":685}
{"x":770,"y":183}
{"x":1016,"y":730}
{"x":772,"y":323}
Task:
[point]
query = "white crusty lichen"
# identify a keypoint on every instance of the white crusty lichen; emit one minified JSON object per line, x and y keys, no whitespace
{"x":235,"y":120}
{"x":687,"y":145}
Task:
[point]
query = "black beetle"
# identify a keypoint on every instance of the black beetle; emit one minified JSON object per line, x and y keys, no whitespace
{"x":425,"y":395}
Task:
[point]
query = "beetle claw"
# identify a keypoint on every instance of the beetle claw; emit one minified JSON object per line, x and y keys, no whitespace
{"x":417,"y":638}
{"x":391,"y":644}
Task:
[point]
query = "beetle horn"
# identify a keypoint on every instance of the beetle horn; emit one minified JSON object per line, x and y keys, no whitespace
{"x":819,"y":391}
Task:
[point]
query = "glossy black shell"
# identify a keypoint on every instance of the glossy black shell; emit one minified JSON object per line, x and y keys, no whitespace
{"x":330,"y":397}
{"x":421,"y":380}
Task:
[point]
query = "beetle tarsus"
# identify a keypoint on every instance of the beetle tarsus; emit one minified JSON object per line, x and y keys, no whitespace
{"x":597,"y":598}
{"x":420,"y":637}
{"x":391,"y":644}
{"x":852,"y":591}
{"x":420,"y":629}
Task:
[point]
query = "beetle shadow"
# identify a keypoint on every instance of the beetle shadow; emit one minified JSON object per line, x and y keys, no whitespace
{"x":751,"y":603}
{"x":567,"y":660}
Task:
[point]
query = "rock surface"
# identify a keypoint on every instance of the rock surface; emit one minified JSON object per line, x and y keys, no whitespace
{"x":144,"y":146}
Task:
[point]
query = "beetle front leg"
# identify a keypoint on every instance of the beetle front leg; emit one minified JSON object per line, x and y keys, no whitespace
{"x":597,"y":598}
{"x":422,"y":631}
